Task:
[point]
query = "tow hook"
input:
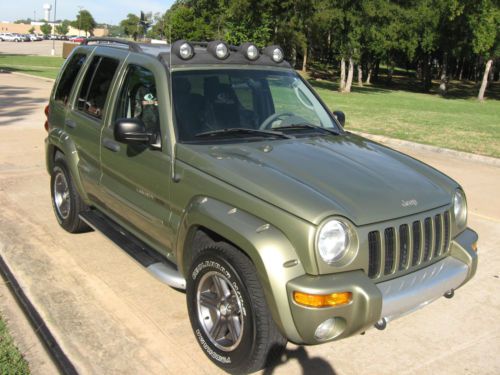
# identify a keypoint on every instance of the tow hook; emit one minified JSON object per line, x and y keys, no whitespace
{"x":449,"y":294}
{"x":381,"y":324}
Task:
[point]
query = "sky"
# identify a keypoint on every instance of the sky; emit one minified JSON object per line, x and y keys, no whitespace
{"x":104,"y":11}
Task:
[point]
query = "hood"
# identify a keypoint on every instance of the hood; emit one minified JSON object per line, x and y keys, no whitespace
{"x":317,"y":177}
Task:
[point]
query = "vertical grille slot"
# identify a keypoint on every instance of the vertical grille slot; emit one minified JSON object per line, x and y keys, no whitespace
{"x":403,"y":246}
{"x":427,"y":238}
{"x":437,"y":235}
{"x":373,"y":253}
{"x":416,"y":242}
{"x":389,"y":250}
{"x":446,"y":216}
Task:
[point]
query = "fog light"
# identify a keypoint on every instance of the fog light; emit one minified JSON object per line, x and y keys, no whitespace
{"x":325,"y":330}
{"x":322,"y":300}
{"x":218,"y":49}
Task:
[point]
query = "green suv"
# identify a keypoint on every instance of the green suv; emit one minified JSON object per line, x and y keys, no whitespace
{"x":220,"y":170}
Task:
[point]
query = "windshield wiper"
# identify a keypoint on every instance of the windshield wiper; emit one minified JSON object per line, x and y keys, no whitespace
{"x":232,"y":131}
{"x":307,"y":126}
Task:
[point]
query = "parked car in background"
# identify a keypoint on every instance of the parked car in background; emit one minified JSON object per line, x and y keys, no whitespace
{"x":78,"y":39}
{"x":35,"y":38}
{"x":9,"y":37}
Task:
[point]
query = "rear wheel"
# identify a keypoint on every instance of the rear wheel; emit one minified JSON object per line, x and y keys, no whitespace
{"x":66,"y":201}
{"x":228,"y":311}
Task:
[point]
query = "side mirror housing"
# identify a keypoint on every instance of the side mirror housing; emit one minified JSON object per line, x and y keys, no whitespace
{"x":340,"y":116}
{"x":131,"y":130}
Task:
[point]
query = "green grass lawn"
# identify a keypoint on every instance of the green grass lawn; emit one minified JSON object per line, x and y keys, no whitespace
{"x":396,"y":110}
{"x":458,"y":122}
{"x":11,"y":360}
{"x":42,"y":66}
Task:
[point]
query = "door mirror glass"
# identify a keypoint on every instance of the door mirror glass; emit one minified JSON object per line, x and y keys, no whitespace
{"x":132,"y":130}
{"x":340,"y":116}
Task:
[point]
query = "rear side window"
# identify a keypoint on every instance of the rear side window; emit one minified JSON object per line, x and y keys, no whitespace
{"x":96,"y":84}
{"x":68,"y":77}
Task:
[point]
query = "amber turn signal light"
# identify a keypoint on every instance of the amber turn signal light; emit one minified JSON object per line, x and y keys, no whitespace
{"x":474,"y":246}
{"x":322,"y":300}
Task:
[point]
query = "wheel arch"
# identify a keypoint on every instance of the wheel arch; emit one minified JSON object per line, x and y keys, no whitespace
{"x":207,"y":220}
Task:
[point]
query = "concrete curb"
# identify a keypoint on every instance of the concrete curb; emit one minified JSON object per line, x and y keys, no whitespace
{"x":41,"y":329}
{"x":419,"y":146}
{"x":27,"y":75}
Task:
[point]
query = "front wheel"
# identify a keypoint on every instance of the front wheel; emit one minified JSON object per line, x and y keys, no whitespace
{"x":228,"y":311}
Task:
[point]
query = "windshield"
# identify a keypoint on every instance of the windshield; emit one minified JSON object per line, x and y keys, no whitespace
{"x":246,"y":104}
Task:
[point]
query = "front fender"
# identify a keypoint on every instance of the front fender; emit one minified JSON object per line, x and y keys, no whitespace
{"x":57,"y":139}
{"x":272,"y":253}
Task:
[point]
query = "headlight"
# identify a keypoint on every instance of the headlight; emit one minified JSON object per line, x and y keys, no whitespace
{"x":333,"y":240}
{"x":460,"y":208}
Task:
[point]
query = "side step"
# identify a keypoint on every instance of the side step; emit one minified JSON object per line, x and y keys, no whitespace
{"x":156,"y":264}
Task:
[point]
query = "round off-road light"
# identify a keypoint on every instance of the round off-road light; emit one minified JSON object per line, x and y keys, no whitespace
{"x":186,"y":51}
{"x":275,"y":53}
{"x":325,"y":330}
{"x":183,"y":49}
{"x":251,"y":51}
{"x":218,"y":49}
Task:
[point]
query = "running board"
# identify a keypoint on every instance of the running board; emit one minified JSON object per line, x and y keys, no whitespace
{"x":156,"y":264}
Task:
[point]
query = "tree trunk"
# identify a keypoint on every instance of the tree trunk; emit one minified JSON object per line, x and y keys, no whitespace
{"x":369,"y":76}
{"x":360,"y":76}
{"x":444,"y":78}
{"x":304,"y":61}
{"x":485,"y":80}
{"x":350,"y":74}
{"x":428,"y":73}
{"x":342,"y":75}
{"x":376,"y":70}
{"x":390,"y":72}
{"x":461,"y":74}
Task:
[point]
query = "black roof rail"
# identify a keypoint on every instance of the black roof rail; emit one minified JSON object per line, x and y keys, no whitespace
{"x":132,"y":46}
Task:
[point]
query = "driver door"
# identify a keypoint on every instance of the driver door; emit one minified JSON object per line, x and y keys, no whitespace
{"x":136,"y":177}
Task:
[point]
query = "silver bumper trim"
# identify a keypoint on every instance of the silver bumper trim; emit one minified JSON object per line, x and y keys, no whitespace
{"x":411,"y":292}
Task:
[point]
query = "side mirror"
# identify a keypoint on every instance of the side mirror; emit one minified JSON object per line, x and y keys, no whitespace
{"x":340,"y":116}
{"x":131,"y":130}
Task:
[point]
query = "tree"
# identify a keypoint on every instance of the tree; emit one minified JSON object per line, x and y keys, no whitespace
{"x":84,"y":21}
{"x":31,"y":31}
{"x":131,"y":26}
{"x":63,"y":28}
{"x":26,"y":21}
{"x":46,"y":29}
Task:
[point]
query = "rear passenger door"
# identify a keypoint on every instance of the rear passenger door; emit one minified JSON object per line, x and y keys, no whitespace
{"x":136,"y":177}
{"x":84,"y":122}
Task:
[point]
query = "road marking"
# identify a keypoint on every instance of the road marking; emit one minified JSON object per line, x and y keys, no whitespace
{"x":486,"y":217}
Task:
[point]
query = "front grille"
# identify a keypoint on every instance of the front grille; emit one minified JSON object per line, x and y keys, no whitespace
{"x":408,"y":245}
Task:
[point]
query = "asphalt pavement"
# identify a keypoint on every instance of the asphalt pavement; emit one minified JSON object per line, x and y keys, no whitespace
{"x":111,"y":317}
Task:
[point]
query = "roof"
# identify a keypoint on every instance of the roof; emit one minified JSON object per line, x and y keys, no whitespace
{"x":201,"y":55}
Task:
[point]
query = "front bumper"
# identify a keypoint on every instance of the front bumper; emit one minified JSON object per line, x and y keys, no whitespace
{"x":387,"y":300}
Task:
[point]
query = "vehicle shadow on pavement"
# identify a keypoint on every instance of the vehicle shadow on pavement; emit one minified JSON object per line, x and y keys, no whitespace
{"x":310,"y":365}
{"x":16,"y":103}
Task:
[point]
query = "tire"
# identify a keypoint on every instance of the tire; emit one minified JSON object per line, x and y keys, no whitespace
{"x":66,"y":201}
{"x":228,"y":311}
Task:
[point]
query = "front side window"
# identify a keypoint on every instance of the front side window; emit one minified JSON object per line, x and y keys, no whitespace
{"x":68,"y":77}
{"x":96,"y":85}
{"x":138,"y":99}
{"x":246,"y":104}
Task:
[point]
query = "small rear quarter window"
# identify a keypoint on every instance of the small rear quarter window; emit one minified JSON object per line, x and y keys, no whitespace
{"x":68,"y":77}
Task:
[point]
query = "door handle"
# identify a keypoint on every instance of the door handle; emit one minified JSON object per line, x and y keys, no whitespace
{"x":111,"y":145}
{"x":70,"y":124}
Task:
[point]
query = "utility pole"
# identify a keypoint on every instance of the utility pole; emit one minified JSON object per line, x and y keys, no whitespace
{"x":53,"y":30}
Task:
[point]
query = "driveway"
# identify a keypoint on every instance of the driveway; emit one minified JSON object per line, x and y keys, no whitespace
{"x":111,"y":317}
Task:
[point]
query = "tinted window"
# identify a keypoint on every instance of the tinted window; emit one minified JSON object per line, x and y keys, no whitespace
{"x":68,"y":77}
{"x":138,"y":98}
{"x":96,"y":84}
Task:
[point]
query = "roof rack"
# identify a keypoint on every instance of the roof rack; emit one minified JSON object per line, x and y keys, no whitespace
{"x":132,"y":46}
